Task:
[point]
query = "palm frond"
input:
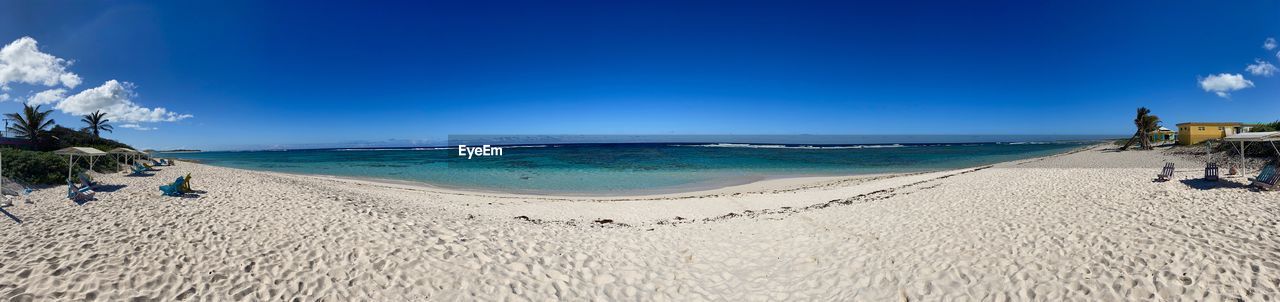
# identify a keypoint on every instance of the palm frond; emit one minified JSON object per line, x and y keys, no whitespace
{"x":31,"y":122}
{"x":97,"y":121}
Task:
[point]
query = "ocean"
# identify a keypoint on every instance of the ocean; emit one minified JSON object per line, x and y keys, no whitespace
{"x":633,"y":167}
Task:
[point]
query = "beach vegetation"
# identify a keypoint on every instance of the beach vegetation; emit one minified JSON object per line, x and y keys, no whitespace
{"x":97,"y":121}
{"x":1266,"y":127}
{"x":62,"y":137}
{"x":35,"y":163}
{"x":35,"y":167}
{"x":1146,"y":123}
{"x":47,"y":168}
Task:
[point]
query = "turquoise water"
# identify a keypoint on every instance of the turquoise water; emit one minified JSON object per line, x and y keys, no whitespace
{"x":593,"y":169}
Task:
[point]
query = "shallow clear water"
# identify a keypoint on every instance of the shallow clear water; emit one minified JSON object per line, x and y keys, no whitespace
{"x":624,"y":168}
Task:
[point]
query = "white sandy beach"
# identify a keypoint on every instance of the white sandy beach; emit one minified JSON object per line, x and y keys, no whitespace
{"x":1089,"y":225}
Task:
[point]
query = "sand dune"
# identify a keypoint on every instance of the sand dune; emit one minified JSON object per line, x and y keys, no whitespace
{"x":1083,"y":226}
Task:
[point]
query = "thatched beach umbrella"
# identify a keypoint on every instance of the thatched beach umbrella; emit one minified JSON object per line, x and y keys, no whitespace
{"x":84,"y":152}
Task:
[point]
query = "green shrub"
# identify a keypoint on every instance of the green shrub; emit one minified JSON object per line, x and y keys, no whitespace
{"x":35,"y":167}
{"x":1266,"y":127}
{"x":105,"y":164}
{"x":47,"y":168}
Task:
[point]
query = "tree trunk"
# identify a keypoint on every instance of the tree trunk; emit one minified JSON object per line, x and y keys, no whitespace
{"x":1131,"y":139}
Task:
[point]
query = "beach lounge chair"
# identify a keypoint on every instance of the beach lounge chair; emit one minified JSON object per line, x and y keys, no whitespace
{"x":1165,"y":174}
{"x":174,"y":189}
{"x":186,"y":185}
{"x":1269,"y":184}
{"x":78,"y":194}
{"x":1211,"y":172}
{"x":137,"y":169}
{"x":1266,"y":179}
{"x":85,"y":180}
{"x":1267,"y":172}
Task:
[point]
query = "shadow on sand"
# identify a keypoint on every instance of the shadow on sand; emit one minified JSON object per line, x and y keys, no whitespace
{"x":1202,"y":184}
{"x":108,"y":188}
{"x":10,"y":215}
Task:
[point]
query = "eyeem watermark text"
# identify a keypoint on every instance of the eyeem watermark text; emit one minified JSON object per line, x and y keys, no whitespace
{"x":485,"y":150}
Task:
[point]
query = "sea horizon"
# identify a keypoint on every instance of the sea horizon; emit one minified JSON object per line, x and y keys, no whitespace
{"x":756,"y":139}
{"x":560,"y":166}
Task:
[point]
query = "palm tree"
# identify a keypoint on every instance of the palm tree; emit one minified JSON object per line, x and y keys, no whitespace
{"x":96,"y":121}
{"x":30,"y":123}
{"x":1146,"y":123}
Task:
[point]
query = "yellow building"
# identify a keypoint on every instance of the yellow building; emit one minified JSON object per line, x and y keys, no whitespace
{"x":1194,"y":133}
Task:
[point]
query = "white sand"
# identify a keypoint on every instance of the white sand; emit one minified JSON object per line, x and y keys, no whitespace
{"x":1084,"y":226}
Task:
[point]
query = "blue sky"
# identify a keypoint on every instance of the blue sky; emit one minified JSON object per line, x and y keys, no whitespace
{"x":233,"y":74}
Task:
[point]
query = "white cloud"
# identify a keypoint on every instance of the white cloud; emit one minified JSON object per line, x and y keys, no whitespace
{"x":138,"y":127}
{"x":1223,"y":84}
{"x":22,"y":62}
{"x":1269,"y":44}
{"x":114,"y":98}
{"x":47,"y":97}
{"x":1262,"y":68}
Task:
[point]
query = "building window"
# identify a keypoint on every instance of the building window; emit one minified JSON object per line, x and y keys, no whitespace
{"x":1201,"y":128}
